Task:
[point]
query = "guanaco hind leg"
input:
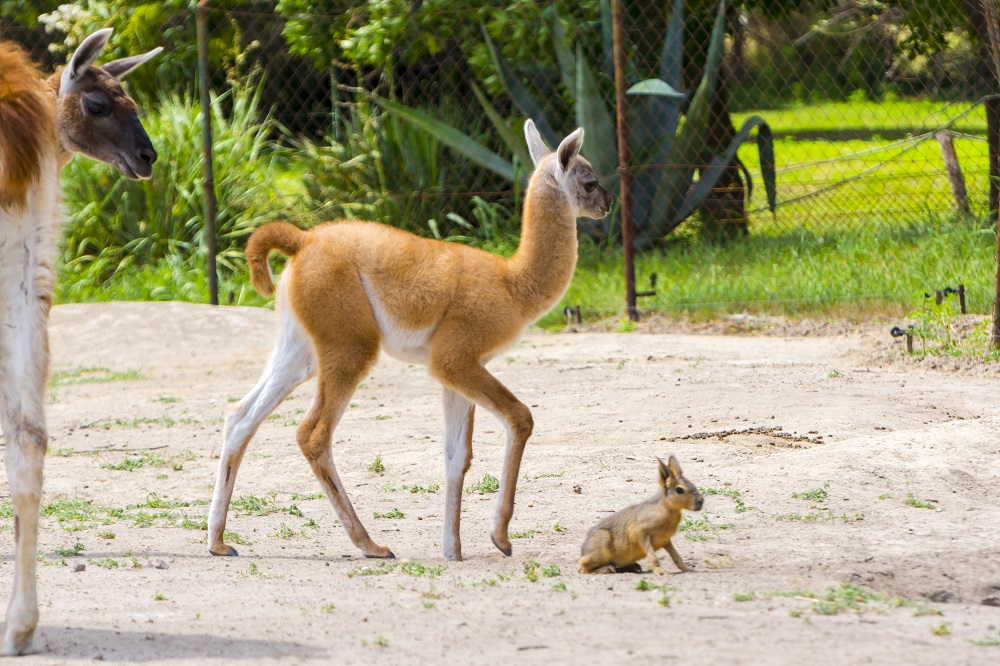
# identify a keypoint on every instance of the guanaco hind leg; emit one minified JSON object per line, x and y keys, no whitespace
{"x":459,"y":413}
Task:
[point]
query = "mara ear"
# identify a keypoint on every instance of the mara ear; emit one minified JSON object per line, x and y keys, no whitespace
{"x":82,"y":58}
{"x":665,"y":474}
{"x":674,"y":467}
{"x":536,"y":146}
{"x":121,"y":67}
{"x":568,"y":149}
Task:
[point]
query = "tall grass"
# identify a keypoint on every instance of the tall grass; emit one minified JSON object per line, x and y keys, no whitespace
{"x":868,"y":271}
{"x":130,"y":231}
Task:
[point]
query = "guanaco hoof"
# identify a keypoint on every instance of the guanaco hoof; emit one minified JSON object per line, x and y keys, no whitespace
{"x":388,"y":556}
{"x":506,"y":551}
{"x":229,"y":553}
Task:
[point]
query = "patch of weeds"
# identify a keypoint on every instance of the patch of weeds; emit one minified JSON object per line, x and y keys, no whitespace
{"x":392,"y":513}
{"x":167,"y":399}
{"x":284,"y":532}
{"x":558,"y":527}
{"x":382,"y":641}
{"x":700,"y":529}
{"x":427,"y":604}
{"x":382,"y":417}
{"x":417,"y":569}
{"x":376,"y":465}
{"x":377,"y":569}
{"x":488,"y":484}
{"x":294,"y":510}
{"x":328,"y":608}
{"x":817,"y":495}
{"x":310,"y":524}
{"x":731,"y":493}
{"x":744,"y":596}
{"x":106,"y":534}
{"x":833,"y":374}
{"x":105,"y":563}
{"x":236,"y":538}
{"x":92,"y":375}
{"x":71,"y":552}
{"x":943,"y":629}
{"x":188,"y":524}
{"x":918,"y":503}
{"x":251,"y":505}
{"x":851,"y":598}
{"x":559,"y":587}
{"x":798,"y":517}
{"x":159,"y":596}
{"x":531,"y":570}
{"x":387,"y":488}
{"x":993,"y":641}
{"x":551,"y":571}
{"x":645,"y":586}
{"x":724,"y":561}
{"x":886,"y":496}
{"x":526,"y":534}
{"x":307,"y":496}
{"x":625,"y":325}
{"x":547,"y":475}
{"x":433,"y":488}
{"x":254,"y":571}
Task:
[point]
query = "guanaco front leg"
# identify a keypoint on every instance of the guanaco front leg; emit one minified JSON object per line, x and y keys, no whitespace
{"x":675,"y":556}
{"x":478,"y":385}
{"x":459,"y":413}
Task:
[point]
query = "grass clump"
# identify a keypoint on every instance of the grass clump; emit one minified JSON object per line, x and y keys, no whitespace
{"x":376,"y":465}
{"x":488,"y":484}
{"x":817,"y":495}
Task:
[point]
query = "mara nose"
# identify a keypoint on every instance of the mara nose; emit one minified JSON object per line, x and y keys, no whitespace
{"x":148,"y":155}
{"x":698,"y":504}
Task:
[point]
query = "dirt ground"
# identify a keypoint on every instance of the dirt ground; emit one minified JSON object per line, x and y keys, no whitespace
{"x":834,"y":468}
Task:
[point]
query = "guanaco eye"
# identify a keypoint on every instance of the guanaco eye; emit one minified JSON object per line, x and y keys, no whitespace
{"x":95,"y":105}
{"x":680,"y":491}
{"x":590,"y":186}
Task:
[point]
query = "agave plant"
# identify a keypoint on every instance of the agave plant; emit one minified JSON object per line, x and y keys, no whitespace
{"x":668,"y":151}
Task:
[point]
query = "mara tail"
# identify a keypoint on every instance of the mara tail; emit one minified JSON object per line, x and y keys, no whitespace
{"x":27,"y":126}
{"x":281,"y":236}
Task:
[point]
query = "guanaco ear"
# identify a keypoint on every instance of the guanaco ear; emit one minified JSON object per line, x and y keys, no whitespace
{"x":82,"y":58}
{"x":567,"y":150}
{"x":122,"y":66}
{"x":536,"y":146}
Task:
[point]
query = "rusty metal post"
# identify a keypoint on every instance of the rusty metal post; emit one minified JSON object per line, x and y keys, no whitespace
{"x":624,"y":160}
{"x":993,"y":28}
{"x":201,"y":20}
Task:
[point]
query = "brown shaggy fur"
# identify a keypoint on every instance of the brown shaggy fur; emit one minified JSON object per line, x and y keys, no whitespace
{"x":27,"y":126}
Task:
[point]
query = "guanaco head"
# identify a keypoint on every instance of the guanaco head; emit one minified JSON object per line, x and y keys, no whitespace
{"x":94,"y":114}
{"x":678,"y":492}
{"x":571,"y":172}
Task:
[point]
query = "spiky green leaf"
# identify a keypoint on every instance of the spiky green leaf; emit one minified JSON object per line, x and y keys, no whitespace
{"x":592,"y":115}
{"x":564,"y":56}
{"x":451,"y":137}
{"x":519,"y":92}
{"x":514,"y":142}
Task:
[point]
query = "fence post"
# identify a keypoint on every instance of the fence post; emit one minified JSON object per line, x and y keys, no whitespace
{"x":201,"y":19}
{"x":624,"y":160}
{"x":993,"y":28}
{"x":992,"y":104}
{"x":954,"y":170}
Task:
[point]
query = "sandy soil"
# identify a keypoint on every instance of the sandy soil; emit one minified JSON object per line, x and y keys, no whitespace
{"x":755,"y":419}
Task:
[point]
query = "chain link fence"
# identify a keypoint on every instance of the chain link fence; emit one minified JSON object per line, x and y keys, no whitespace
{"x":866,"y":113}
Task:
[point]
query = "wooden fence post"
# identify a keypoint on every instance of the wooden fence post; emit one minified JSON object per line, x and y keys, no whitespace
{"x":954,"y":171}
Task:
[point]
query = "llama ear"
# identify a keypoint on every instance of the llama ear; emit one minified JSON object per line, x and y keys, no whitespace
{"x":82,"y":58}
{"x":536,"y":146}
{"x":569,"y":148}
{"x":121,"y":67}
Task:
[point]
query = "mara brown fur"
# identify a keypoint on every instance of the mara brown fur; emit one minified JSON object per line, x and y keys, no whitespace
{"x":619,"y":541}
{"x":27,"y":126}
{"x":353,"y":288}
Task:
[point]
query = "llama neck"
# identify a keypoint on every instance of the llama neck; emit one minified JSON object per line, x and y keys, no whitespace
{"x":542,"y":267}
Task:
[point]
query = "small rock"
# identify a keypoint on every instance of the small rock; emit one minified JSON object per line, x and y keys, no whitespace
{"x":160,"y":564}
{"x":992,"y":601}
{"x":78,"y":567}
{"x":942,"y":597}
{"x":577,"y":489}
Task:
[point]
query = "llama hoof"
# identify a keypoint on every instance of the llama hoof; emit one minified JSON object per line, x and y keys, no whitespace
{"x":506,"y":550}
{"x":228,"y":552}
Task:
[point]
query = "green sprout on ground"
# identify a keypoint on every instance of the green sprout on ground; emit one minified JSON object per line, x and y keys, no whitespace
{"x":488,"y":484}
{"x":376,"y":465}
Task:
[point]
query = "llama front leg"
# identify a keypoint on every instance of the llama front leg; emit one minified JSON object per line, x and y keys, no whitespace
{"x":459,"y":414}
{"x":292,"y":363}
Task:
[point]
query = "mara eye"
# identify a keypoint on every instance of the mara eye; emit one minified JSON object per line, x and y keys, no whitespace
{"x":680,"y":491}
{"x":590,"y":186}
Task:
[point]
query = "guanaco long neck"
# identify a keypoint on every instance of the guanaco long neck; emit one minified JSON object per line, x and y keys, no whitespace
{"x":541,"y":269}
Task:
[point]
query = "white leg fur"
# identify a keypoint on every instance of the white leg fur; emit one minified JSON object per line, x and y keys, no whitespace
{"x":292,"y":362}
{"x":459,"y":413}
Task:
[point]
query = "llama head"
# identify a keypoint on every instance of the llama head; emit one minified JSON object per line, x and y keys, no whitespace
{"x":96,"y":116}
{"x":571,"y":172}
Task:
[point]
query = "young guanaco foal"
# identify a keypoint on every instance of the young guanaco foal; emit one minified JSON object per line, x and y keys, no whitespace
{"x":43,"y":122}
{"x":351,"y":287}
{"x":618,"y":542}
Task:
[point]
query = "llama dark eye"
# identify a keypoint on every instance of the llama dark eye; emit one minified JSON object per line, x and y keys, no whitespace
{"x":591,"y":186}
{"x":94,"y":107}
{"x":680,"y":491}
